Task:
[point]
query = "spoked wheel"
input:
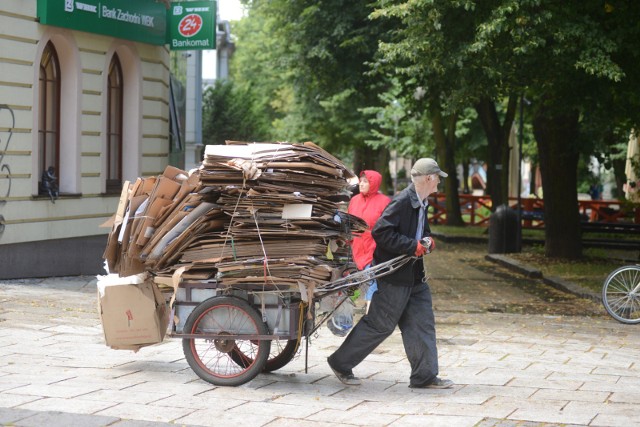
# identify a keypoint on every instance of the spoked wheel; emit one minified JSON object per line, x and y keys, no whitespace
{"x":214,"y":360}
{"x":621,"y":294}
{"x":282,"y":351}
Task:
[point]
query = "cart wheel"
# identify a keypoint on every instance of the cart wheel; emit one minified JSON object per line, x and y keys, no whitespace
{"x":213,"y":359}
{"x":282,"y":351}
{"x":621,"y":294}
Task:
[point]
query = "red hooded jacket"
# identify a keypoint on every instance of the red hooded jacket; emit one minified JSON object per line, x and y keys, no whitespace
{"x":368,"y":207}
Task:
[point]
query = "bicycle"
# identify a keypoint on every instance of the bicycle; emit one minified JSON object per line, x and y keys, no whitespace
{"x":621,"y":294}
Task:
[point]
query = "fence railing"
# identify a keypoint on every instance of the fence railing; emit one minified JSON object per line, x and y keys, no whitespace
{"x":476,"y":210}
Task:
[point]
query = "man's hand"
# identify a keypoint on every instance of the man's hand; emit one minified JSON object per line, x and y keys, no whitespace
{"x":420,"y":250}
{"x":430,"y":243}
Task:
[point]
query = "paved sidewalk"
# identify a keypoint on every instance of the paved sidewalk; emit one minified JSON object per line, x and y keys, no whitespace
{"x":521,"y":354}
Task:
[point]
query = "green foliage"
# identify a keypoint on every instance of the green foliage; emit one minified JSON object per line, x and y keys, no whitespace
{"x":345,"y":74}
{"x":397,"y":127}
{"x":311,"y":61}
{"x":257,"y":66}
{"x":230,"y":113}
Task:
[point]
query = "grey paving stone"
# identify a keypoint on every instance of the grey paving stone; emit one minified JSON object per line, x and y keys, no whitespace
{"x":62,"y":419}
{"x":161,"y":411}
{"x":9,"y":416}
{"x":541,"y":368}
{"x":136,"y":423}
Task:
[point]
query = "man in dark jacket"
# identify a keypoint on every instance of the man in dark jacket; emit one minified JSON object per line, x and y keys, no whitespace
{"x":403,"y":297}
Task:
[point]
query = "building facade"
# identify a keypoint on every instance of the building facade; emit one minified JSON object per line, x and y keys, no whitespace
{"x":80,"y":113}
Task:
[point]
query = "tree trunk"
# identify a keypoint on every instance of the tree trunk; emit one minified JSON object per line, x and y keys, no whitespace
{"x":498,"y":142}
{"x":465,"y":176}
{"x":556,"y":136}
{"x":382,"y":165}
{"x":445,"y":149}
{"x":620,"y":177}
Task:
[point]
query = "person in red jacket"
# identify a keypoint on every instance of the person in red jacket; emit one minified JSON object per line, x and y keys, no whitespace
{"x":368,"y":205}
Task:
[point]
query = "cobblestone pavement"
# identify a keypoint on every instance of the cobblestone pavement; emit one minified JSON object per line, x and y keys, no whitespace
{"x":520,"y":353}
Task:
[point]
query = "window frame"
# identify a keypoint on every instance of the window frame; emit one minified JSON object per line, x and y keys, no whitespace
{"x":46,"y":83}
{"x":114,"y":183}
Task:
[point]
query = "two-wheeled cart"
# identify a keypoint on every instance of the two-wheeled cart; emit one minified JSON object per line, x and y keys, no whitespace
{"x":232,"y":334}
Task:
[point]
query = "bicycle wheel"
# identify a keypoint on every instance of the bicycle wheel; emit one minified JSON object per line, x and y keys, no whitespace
{"x":621,"y":294}
{"x":282,"y":351}
{"x":213,"y":359}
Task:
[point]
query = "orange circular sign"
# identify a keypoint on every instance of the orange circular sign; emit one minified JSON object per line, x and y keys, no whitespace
{"x":190,"y":25}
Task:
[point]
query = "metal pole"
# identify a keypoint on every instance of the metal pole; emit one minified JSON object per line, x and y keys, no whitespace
{"x":198,"y":100}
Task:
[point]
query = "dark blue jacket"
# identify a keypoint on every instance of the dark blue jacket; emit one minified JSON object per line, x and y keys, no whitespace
{"x":394,"y":234}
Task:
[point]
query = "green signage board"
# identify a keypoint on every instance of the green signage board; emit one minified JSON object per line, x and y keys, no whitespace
{"x":139,"y":20}
{"x":192,"y":25}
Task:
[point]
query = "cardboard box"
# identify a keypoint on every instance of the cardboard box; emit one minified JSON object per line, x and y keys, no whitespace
{"x":133,"y":315}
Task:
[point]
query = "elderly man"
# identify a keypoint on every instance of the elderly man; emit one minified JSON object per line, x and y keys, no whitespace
{"x":403,"y":297}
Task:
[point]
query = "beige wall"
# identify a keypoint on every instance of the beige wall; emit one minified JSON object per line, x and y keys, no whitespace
{"x":84,"y":61}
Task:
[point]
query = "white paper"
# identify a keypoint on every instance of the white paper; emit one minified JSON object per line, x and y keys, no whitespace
{"x":297,"y":211}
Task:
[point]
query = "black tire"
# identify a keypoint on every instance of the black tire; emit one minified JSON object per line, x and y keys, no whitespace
{"x":621,"y":294}
{"x":282,"y":351}
{"x":281,"y":354}
{"x":213,"y":359}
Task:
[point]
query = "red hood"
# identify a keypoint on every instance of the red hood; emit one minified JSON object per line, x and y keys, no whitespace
{"x":375,"y":179}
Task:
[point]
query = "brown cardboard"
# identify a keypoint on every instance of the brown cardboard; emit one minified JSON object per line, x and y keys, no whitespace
{"x":165,"y":189}
{"x":133,"y":315}
{"x":146,"y":227}
{"x":174,"y":173}
{"x":131,"y":264}
{"x":112,"y":251}
{"x":161,"y":196}
{"x":128,"y":265}
{"x":145,"y":186}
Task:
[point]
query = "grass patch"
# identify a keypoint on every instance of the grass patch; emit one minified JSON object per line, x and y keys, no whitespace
{"x":589,"y":271}
{"x":459,"y":231}
{"x":470,"y":231}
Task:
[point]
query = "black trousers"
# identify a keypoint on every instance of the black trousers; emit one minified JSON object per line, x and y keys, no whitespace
{"x":411,"y":309}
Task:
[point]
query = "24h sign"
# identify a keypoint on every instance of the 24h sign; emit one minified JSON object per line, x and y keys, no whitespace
{"x":192,"y":25}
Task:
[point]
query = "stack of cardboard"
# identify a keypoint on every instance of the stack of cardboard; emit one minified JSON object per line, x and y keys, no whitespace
{"x":259,"y":216}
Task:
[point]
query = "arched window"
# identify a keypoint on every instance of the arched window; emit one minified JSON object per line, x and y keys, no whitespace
{"x":49,"y":117}
{"x":114,"y":126}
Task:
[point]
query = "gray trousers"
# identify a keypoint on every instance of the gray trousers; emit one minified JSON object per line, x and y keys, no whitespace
{"x":409,"y":308}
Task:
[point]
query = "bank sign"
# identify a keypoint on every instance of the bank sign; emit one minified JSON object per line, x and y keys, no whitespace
{"x":192,"y":25}
{"x":184,"y":25}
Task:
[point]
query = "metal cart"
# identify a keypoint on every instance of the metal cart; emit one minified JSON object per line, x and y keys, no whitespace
{"x":231,"y":335}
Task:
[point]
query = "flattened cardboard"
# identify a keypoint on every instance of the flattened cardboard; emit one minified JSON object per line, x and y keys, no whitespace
{"x":174,"y":173}
{"x":133,"y":316}
{"x":146,"y":227}
{"x":112,"y":251}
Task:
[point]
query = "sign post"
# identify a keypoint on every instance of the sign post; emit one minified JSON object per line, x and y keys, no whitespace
{"x":192,"y":25}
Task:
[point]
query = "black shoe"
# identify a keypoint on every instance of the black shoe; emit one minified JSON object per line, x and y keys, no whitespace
{"x":348,"y":379}
{"x":437,"y":383}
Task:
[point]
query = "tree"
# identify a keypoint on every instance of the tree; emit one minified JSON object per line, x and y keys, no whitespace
{"x":476,"y":52}
{"x":257,"y":67}
{"x":229,"y":113}
{"x":431,"y":46}
{"x":319,"y":54}
{"x":497,"y":132}
{"x":586,"y":50}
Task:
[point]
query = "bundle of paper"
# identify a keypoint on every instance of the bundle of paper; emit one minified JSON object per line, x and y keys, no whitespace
{"x":253,"y":215}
